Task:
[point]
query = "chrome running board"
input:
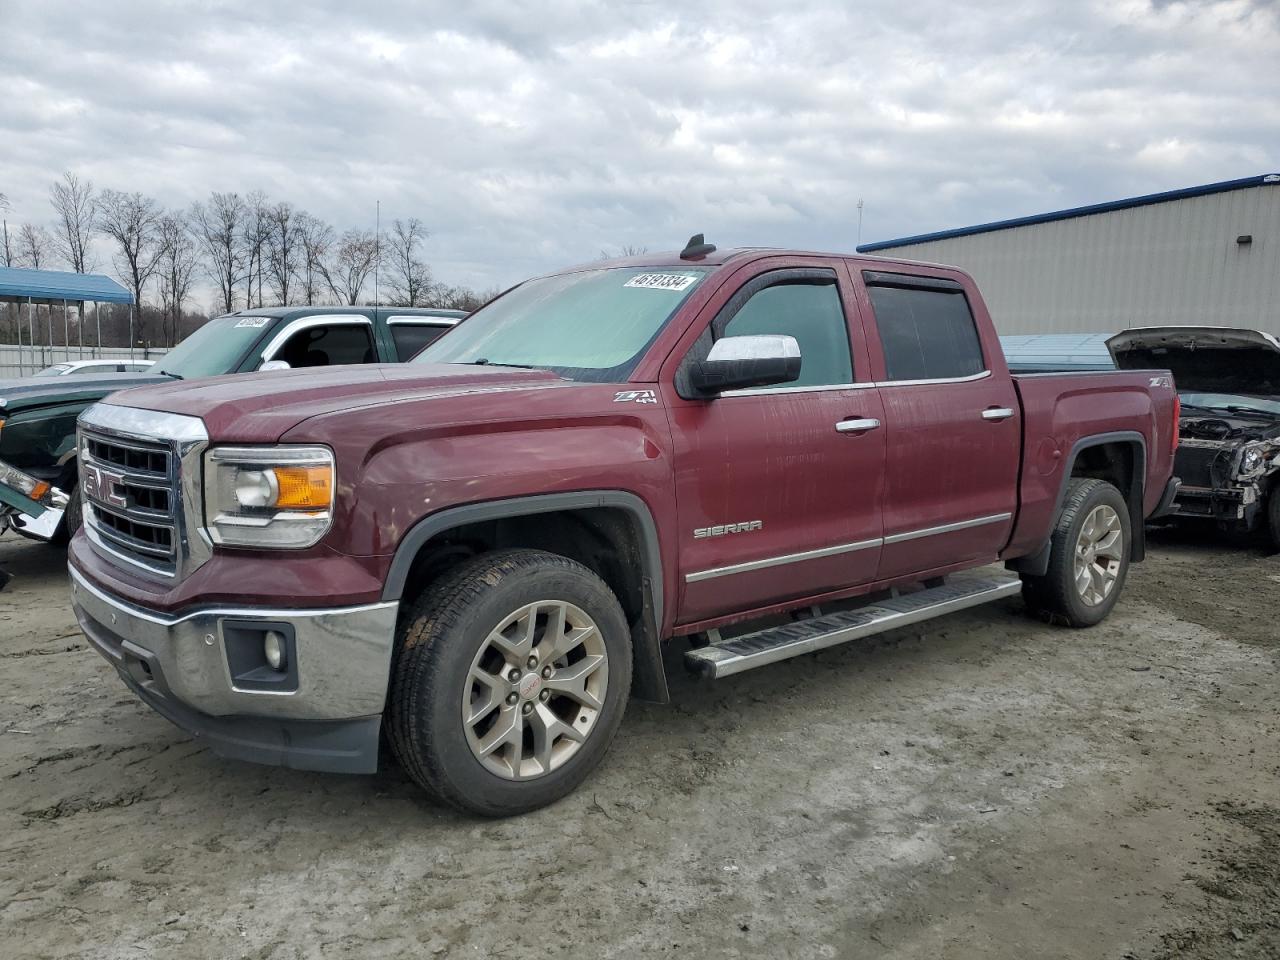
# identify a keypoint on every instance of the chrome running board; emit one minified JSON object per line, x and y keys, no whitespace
{"x":727,"y":657}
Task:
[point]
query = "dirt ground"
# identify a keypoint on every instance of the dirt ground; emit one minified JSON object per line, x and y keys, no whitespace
{"x":985,"y":786}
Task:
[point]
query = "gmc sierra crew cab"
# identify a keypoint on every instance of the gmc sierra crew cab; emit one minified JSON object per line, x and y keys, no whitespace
{"x":483,"y":552}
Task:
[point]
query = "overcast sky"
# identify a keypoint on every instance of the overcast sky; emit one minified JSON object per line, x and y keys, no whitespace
{"x":529,"y":136}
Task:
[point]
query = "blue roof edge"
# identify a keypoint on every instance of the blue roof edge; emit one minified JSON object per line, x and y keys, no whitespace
{"x":1071,"y":213}
{"x":21,"y":283}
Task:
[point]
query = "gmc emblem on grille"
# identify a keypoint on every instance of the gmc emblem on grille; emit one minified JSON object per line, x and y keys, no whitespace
{"x":102,"y":485}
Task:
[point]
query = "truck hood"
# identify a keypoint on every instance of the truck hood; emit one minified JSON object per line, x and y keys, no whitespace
{"x":1204,"y":359}
{"x":262,"y":407}
{"x":29,"y":392}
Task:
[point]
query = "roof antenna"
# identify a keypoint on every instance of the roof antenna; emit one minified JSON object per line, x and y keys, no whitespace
{"x":697,"y":248}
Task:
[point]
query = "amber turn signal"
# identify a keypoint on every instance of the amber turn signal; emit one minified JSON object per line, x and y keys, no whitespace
{"x":304,"y":488}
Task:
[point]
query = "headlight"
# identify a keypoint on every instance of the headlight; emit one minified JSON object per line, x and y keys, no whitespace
{"x":1251,"y":459}
{"x":268,"y":496}
{"x":28,"y":486}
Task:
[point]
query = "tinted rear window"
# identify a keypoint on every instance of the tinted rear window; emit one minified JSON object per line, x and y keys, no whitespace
{"x":412,"y":337}
{"x":926,"y":334}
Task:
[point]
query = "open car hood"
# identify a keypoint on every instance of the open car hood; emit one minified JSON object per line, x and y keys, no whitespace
{"x":1204,"y":359}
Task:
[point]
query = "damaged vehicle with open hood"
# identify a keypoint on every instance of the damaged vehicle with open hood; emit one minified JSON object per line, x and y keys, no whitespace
{"x":1228,"y":381}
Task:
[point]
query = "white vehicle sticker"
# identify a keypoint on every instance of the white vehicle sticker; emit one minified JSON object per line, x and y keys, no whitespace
{"x":254,"y":322}
{"x":635,"y":396}
{"x":661,"y":281}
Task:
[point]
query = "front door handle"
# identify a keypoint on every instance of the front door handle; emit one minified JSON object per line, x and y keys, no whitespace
{"x":997,"y":413}
{"x":857,"y":425}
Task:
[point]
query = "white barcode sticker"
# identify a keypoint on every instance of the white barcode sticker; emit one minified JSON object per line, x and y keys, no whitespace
{"x":661,"y":281}
{"x":254,"y":322}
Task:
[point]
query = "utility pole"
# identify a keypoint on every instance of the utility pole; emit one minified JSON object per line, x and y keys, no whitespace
{"x":377,"y":248}
{"x":859,"y":221}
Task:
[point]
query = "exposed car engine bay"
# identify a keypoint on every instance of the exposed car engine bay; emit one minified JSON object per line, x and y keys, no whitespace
{"x":1228,"y":382}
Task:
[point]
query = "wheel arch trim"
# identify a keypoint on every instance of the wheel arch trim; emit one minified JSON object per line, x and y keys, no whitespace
{"x":649,"y":677}
{"x":1037,"y":563}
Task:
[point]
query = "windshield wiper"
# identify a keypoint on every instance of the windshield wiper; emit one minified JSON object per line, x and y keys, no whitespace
{"x":175,"y":376}
{"x":486,"y":362}
{"x":1254,"y":410}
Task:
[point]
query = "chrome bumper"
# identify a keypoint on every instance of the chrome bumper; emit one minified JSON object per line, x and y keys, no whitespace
{"x":327,"y":715}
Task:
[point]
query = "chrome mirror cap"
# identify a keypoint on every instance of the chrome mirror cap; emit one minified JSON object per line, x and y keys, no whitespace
{"x":756,"y":347}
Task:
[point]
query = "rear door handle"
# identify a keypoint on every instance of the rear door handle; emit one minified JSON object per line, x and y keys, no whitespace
{"x":857,"y":426}
{"x":997,"y":413}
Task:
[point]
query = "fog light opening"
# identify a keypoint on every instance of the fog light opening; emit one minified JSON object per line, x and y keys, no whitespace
{"x":273,"y":649}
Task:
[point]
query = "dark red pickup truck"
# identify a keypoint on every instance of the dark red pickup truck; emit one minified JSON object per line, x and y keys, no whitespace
{"x":483,"y":552}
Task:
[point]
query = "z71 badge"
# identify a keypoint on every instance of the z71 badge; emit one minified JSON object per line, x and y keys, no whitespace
{"x":635,"y":396}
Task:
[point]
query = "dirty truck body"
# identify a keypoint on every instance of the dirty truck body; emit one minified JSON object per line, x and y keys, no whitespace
{"x":765,"y":452}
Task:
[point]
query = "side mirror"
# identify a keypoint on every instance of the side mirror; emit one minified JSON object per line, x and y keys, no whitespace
{"x":275,"y":365}
{"x":735,"y":363}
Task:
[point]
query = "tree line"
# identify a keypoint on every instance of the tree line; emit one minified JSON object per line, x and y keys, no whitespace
{"x":253,"y":251}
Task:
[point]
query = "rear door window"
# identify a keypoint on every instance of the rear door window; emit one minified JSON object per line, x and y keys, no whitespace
{"x":412,"y":337}
{"x":927,"y":332}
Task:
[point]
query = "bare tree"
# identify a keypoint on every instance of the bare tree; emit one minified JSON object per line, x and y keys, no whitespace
{"x":35,"y":247}
{"x":8,"y":246}
{"x":217,"y":228}
{"x":76,"y":206}
{"x":177,"y":271}
{"x":410,"y":275}
{"x":283,"y":249}
{"x":315,"y":238}
{"x":350,"y":265}
{"x":459,"y":298}
{"x":133,"y":222}
{"x":626,"y":250}
{"x":257,"y":226}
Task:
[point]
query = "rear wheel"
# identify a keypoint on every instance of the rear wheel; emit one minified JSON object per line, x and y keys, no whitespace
{"x":1088,"y":560}
{"x":510,"y":679}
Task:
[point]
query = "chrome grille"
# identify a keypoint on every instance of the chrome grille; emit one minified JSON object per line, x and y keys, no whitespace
{"x":132,"y":498}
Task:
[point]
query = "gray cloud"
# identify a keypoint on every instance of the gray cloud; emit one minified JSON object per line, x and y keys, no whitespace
{"x":529,"y":136}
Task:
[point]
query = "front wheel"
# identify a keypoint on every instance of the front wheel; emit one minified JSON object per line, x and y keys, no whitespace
{"x":1088,"y":559}
{"x":510,"y":679}
{"x":72,"y":518}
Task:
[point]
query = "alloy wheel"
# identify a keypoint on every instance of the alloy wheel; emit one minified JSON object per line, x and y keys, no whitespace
{"x":1098,"y":555}
{"x":535,"y":690}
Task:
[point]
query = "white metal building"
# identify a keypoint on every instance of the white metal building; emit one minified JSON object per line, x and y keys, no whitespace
{"x":1203,"y":255}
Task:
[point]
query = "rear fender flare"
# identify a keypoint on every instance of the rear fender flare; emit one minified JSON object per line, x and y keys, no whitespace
{"x":1035,"y":564}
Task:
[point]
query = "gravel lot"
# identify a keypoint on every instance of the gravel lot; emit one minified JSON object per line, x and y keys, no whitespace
{"x":983,"y":787}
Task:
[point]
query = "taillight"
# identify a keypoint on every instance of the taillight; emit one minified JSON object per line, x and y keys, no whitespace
{"x":1177,"y":419}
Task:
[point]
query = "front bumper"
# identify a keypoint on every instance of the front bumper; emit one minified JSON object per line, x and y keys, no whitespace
{"x":1227,"y":504}
{"x":323,"y":714}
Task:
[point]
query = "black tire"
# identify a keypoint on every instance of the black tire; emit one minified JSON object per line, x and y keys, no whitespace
{"x":72,"y":519}
{"x":440,"y":636}
{"x":1054,"y":597}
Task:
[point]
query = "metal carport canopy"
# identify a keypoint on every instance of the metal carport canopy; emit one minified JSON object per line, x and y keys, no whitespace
{"x":45,"y":286}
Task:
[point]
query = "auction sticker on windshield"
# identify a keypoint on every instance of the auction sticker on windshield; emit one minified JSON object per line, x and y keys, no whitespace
{"x":662,"y":281}
{"x":254,"y":322}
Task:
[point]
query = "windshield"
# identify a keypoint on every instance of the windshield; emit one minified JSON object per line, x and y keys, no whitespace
{"x":591,"y":326}
{"x":215,"y":348}
{"x":1231,"y":403}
